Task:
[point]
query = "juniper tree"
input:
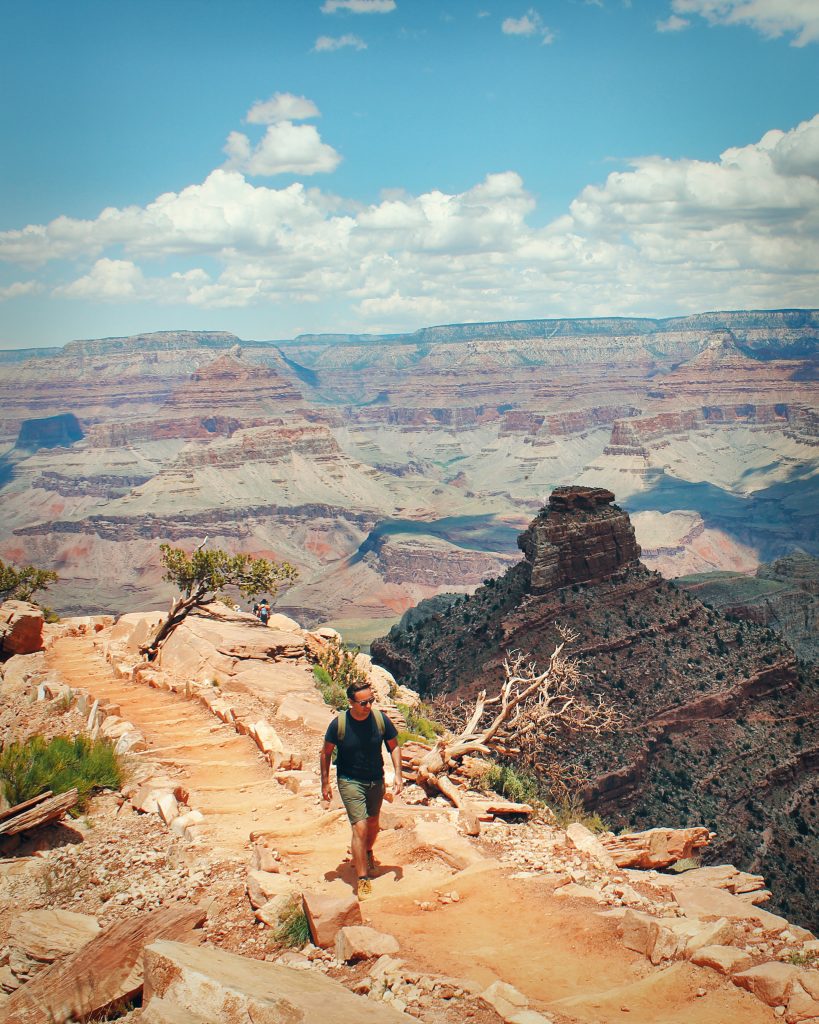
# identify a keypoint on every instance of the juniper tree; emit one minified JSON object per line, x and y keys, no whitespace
{"x":202,"y":575}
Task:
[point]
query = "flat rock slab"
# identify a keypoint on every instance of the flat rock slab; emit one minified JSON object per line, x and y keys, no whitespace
{"x":47,"y":935}
{"x":108,"y":968}
{"x":183,"y":983}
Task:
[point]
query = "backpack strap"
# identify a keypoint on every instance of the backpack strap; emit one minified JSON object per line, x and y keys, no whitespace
{"x":342,"y":724}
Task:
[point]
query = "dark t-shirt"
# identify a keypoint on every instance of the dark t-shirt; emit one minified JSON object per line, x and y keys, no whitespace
{"x":359,"y":756}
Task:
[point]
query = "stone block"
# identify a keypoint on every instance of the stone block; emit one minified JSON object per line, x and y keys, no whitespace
{"x":327,"y":913}
{"x":583,"y":839}
{"x":504,"y":999}
{"x":357,"y":942}
{"x":167,"y":807}
{"x":21,"y":627}
{"x":771,"y":982}
{"x":192,"y":985}
{"x":722,"y":959}
{"x":262,"y":886}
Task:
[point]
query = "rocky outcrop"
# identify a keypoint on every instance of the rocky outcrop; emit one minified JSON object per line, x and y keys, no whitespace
{"x":21,"y":628}
{"x":580,"y":537}
{"x":719,"y":721}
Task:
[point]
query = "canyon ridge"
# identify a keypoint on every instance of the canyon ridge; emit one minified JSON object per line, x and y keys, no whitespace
{"x":391,"y":469}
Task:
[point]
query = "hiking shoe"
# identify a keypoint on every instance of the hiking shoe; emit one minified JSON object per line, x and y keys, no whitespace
{"x":365,"y":888}
{"x":371,"y":861}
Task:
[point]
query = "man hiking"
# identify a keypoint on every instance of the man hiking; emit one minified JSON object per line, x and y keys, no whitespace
{"x":360,"y":771}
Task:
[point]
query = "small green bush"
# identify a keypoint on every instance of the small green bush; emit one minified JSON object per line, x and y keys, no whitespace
{"x":332,"y":692}
{"x":512,"y":784}
{"x":293,"y":929}
{"x":336,"y":670}
{"x":573,"y":809}
{"x":808,"y":958}
{"x":419,"y":723}
{"x":29,"y":769}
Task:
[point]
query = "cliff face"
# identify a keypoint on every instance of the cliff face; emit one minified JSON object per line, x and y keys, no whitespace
{"x":720,"y":722}
{"x":463,"y":428}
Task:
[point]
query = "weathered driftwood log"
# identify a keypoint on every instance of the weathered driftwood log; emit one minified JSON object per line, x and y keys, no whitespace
{"x":656,"y":847}
{"x":530,"y":709}
{"x":38,"y":811}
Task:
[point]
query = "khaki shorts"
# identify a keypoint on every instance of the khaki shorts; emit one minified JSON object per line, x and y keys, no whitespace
{"x":361,"y":799}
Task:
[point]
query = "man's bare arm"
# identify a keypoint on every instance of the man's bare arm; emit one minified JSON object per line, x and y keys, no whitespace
{"x":395,"y":754}
{"x":326,"y":757}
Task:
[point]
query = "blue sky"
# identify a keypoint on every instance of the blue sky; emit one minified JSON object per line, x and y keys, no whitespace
{"x":273,"y":167}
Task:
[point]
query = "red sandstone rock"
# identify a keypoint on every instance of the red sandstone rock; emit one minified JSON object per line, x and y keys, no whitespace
{"x":21,"y":628}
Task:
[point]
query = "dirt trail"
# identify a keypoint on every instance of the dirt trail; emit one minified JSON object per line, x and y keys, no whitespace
{"x":224,"y":773}
{"x":566,"y":958}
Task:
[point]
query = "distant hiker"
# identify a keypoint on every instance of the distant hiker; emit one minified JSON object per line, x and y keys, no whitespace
{"x":263,"y":612}
{"x":358,"y":734}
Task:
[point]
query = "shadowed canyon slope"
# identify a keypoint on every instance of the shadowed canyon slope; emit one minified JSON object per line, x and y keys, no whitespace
{"x":719,"y":719}
{"x":391,"y":469}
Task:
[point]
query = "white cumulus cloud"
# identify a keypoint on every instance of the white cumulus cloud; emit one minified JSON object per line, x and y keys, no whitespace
{"x":529,"y":24}
{"x":282,"y":106}
{"x":662,"y":235}
{"x":674,"y":23}
{"x":359,"y":6}
{"x":18,"y":289}
{"x":285,"y":147}
{"x":773,"y":18}
{"x":329,"y":43}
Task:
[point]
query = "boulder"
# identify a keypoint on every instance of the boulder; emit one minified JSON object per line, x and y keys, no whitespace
{"x":262,"y":886}
{"x":357,"y":942}
{"x":327,"y":913}
{"x":184,"y":984}
{"x":504,"y":999}
{"x":722,"y":959}
{"x":442,"y":840}
{"x":42,"y":936}
{"x":273,"y":911}
{"x":583,"y":839}
{"x":656,"y":847}
{"x":771,"y":983}
{"x":106,"y":969}
{"x":21,"y":628}
{"x":283,"y":622}
{"x":310,"y":715}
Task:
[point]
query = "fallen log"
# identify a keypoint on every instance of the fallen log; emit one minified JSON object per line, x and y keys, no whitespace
{"x":25,"y":816}
{"x":106,"y":970}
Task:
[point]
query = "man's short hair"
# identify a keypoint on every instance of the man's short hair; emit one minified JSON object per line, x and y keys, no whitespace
{"x":355,"y":688}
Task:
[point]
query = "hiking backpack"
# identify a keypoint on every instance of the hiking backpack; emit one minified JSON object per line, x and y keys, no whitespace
{"x":342,"y":724}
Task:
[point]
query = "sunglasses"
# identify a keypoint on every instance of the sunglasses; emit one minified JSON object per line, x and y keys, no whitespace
{"x":364,"y":703}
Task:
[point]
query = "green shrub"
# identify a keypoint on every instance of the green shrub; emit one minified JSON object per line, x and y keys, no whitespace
{"x":807,"y":958}
{"x":293,"y":928}
{"x":420,"y":725}
{"x":332,"y":693}
{"x":336,"y":670}
{"x":512,"y":784}
{"x":29,"y":769}
{"x":573,"y":809}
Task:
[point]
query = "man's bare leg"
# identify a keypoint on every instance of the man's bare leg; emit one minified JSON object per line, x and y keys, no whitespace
{"x":373,"y":828}
{"x":358,"y":847}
